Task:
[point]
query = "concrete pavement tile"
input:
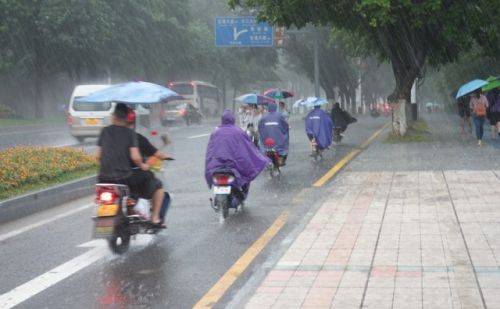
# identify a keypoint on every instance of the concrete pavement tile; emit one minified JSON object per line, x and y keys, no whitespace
{"x":404,"y":281}
{"x":430,"y":229}
{"x":378,"y":298}
{"x":361,"y":257}
{"x":492,"y":297}
{"x":389,"y":242}
{"x":383,"y":272}
{"x":347,"y":298}
{"x":407,"y":298}
{"x":437,"y":298}
{"x":353,"y":280}
{"x":489,"y":280}
{"x":468,"y":298}
{"x":477,"y":242}
{"x":432,"y":280}
{"x":483,"y":257}
{"x":263,"y":300}
{"x":386,"y":257}
{"x":381,"y":282}
{"x":390,"y":228}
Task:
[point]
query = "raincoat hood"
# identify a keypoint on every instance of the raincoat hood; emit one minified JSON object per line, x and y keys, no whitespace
{"x":227,"y":118}
{"x":230,"y":148}
{"x":272,"y":107}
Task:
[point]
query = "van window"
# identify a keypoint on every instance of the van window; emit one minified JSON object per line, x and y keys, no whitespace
{"x":88,"y":107}
{"x":181,"y":89}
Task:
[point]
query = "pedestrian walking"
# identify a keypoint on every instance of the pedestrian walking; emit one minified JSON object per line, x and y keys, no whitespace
{"x":464,"y":113}
{"x":478,"y":105}
{"x":494,"y":112}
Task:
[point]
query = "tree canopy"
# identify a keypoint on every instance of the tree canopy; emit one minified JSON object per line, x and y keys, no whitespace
{"x":409,"y":33}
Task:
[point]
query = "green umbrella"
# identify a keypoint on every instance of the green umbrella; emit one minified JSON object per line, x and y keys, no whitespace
{"x":493,"y":82}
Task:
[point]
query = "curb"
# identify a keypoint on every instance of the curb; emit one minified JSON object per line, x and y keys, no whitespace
{"x":27,"y":204}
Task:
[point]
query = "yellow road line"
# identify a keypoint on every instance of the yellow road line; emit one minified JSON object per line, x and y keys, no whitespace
{"x":225,"y":282}
{"x":343,"y":162}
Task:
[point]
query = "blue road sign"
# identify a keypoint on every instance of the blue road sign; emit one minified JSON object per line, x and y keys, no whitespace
{"x":242,"y":32}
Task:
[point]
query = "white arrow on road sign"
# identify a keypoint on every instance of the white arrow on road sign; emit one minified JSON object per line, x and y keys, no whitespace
{"x":237,"y":34}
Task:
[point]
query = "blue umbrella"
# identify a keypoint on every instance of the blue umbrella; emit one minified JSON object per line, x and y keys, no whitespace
{"x":313,"y":101}
{"x":252,"y":98}
{"x":470,"y":87}
{"x":132,"y":93}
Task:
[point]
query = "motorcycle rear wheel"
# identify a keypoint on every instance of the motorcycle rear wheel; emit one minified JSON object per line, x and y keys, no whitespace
{"x":223,"y":203}
{"x":120,"y":240}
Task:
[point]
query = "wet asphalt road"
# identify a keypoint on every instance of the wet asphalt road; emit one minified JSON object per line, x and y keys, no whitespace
{"x":176,"y":268}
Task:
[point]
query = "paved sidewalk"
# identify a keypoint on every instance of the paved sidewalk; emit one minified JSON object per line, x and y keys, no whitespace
{"x":405,"y":226}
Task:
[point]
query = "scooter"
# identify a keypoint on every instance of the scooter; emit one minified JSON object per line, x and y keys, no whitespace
{"x":226,"y":194}
{"x":276,"y":159}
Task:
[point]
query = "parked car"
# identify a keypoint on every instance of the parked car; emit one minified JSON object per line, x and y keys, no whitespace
{"x":180,"y":111}
{"x":87,"y":120}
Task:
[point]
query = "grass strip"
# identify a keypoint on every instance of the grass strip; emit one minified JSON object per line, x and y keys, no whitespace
{"x":417,"y":132}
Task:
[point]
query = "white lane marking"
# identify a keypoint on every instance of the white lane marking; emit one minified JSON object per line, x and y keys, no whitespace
{"x":200,"y":135}
{"x":40,"y":223}
{"x":53,"y":276}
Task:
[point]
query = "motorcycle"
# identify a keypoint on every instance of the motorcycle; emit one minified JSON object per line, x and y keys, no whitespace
{"x":120,"y":215}
{"x":252,"y":134}
{"x":276,"y":159}
{"x":337,"y":134}
{"x":226,"y":194}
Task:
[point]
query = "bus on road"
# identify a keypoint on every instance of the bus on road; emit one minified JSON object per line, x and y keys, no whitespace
{"x":201,"y":95}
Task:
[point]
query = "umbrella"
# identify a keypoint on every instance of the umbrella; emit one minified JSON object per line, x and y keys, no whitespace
{"x":278,"y":93}
{"x":313,"y":101}
{"x":298,"y":103}
{"x":493,"y":82}
{"x":132,"y":93}
{"x":470,"y":87}
{"x":252,"y":98}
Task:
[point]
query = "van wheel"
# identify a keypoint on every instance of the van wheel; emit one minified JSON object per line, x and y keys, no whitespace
{"x":80,"y":139}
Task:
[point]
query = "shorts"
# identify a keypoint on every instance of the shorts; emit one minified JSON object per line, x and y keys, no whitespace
{"x":142,"y":184}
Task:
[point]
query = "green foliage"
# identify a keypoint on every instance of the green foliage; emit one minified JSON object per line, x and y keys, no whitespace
{"x":409,"y":33}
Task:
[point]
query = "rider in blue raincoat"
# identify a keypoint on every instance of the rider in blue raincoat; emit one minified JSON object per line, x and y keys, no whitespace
{"x":273,"y":125}
{"x":319,"y":126}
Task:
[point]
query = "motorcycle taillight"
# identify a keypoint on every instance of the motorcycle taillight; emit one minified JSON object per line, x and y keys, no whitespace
{"x":222,"y":179}
{"x":105,"y":196}
{"x":269,"y":142}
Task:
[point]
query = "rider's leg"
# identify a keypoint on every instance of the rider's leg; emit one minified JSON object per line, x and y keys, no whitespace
{"x":157,"y":201}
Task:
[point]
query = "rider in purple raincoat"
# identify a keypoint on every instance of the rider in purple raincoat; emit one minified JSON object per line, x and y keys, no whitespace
{"x":319,"y":126}
{"x":274,"y":125}
{"x":230,"y":148}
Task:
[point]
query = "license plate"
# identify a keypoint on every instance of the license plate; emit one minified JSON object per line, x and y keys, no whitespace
{"x":103,"y":227}
{"x":222,"y":190}
{"x":106,"y":210}
{"x":91,"y":121}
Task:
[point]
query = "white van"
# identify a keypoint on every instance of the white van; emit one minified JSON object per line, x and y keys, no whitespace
{"x":87,"y":119}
